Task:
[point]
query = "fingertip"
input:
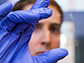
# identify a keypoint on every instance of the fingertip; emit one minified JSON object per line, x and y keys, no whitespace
{"x":45,"y":13}
{"x":49,"y":11}
{"x":65,"y":51}
{"x":6,"y":7}
{"x":59,"y":53}
{"x":10,"y":4}
{"x":40,"y":4}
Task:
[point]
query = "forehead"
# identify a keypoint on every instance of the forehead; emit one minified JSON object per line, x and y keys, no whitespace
{"x":55,"y":18}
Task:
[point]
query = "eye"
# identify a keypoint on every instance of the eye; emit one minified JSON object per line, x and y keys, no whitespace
{"x":54,"y":29}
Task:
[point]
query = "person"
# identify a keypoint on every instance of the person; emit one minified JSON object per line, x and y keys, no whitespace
{"x":16,"y":29}
{"x":46,"y":35}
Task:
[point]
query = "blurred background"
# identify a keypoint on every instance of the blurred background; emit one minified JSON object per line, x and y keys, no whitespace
{"x":72,"y":36}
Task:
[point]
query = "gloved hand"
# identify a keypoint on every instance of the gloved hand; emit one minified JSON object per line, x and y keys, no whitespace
{"x":16,"y":30}
{"x":5,"y":9}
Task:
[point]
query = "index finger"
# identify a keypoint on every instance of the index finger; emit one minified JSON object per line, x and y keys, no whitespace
{"x":5,"y":9}
{"x":40,"y":4}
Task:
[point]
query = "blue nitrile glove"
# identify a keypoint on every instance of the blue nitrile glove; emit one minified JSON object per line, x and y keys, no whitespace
{"x":5,"y":9}
{"x":15,"y":32}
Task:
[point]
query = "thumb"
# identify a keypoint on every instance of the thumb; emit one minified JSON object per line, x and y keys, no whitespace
{"x":5,"y":9}
{"x":52,"y":56}
{"x":40,"y":4}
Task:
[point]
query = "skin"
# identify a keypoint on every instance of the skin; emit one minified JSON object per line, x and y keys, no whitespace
{"x":46,"y":36}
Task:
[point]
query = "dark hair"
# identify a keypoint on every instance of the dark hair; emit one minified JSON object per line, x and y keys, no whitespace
{"x":22,"y":3}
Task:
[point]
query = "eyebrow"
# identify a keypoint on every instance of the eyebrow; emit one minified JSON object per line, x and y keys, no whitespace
{"x":52,"y":24}
{"x":55,"y":24}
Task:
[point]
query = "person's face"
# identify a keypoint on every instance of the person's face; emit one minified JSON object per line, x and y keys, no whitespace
{"x":46,"y":34}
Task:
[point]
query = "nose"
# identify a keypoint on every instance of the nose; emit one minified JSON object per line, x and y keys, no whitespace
{"x":46,"y":37}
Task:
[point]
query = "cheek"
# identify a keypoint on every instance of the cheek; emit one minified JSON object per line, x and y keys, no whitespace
{"x":34,"y":42}
{"x":55,"y":41}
